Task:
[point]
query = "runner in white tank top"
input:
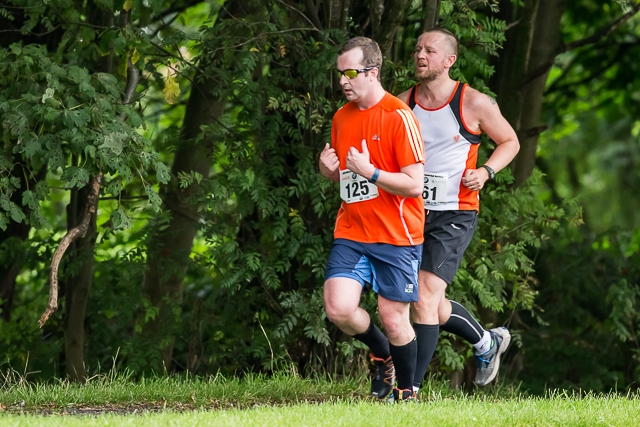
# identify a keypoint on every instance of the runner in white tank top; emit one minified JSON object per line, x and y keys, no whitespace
{"x":452,"y":117}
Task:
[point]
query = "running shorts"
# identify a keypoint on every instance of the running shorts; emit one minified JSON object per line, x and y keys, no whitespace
{"x":391,"y":271}
{"x":447,"y":235}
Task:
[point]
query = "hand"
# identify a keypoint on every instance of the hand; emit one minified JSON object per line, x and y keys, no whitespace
{"x":360,"y":162}
{"x":329,"y":162}
{"x":474,"y":179}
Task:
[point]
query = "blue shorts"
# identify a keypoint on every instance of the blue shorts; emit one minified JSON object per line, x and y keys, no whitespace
{"x":392,"y":271}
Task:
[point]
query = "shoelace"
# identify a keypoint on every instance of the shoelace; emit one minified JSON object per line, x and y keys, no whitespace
{"x":483,"y":360}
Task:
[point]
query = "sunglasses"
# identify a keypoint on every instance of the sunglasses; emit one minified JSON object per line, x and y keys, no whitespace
{"x":352,"y":74}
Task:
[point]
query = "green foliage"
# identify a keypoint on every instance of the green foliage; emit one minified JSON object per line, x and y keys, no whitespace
{"x":252,"y":297}
{"x":591,"y":313}
{"x":590,"y":151}
{"x":497,"y":278}
{"x":54,"y":113}
{"x":270,"y":214}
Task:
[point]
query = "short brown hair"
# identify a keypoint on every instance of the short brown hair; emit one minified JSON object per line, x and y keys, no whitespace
{"x":371,"y":54}
{"x":450,"y":38}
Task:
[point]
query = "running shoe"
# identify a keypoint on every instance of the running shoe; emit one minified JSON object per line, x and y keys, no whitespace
{"x":489,"y":362}
{"x":383,"y":376}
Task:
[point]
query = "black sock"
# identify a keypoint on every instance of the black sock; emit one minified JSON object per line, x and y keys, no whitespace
{"x":463,"y":324}
{"x":375,"y":340}
{"x":427,"y":336}
{"x":404,"y":360}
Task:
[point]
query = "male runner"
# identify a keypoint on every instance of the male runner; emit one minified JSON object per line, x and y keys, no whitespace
{"x":452,"y":117}
{"x":376,"y":155}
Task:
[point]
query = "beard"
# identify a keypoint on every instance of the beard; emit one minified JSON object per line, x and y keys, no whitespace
{"x":429,"y":74}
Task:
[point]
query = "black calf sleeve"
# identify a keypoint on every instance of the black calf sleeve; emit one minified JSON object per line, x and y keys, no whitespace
{"x":404,"y":360}
{"x":375,"y":340}
{"x":427,"y":337}
{"x":463,"y":324}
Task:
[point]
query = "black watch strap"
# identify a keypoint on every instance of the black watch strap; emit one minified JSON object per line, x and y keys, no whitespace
{"x":492,"y":173}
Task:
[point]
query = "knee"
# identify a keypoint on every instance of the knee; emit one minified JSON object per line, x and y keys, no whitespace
{"x":432,"y":288}
{"x":338,"y":314}
{"x":428,"y":301}
{"x":395,"y":326}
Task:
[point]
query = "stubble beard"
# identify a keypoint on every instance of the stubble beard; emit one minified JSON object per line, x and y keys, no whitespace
{"x":429,"y":75}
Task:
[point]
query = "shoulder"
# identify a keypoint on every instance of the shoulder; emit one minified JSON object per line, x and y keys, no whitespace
{"x":474,"y":99}
{"x":344,"y":111}
{"x":393,"y":103}
{"x":404,"y":96}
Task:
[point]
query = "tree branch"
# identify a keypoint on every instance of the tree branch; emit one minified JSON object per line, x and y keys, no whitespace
{"x":603,"y":32}
{"x":599,"y":35}
{"x":133,"y":76}
{"x":76,"y":232}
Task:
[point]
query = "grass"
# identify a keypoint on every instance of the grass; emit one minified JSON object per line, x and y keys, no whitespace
{"x":288,"y":400}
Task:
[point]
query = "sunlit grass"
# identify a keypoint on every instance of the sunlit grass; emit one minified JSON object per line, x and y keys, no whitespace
{"x":289,"y":400}
{"x":554,"y":411}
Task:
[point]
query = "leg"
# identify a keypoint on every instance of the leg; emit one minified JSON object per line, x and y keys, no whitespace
{"x":342,"y":304}
{"x":347,"y":270}
{"x":456,"y":319}
{"x":403,"y":345}
{"x":447,"y":234}
{"x":395,"y":320}
{"x":343,"y":310}
{"x":425,"y":315}
{"x":432,"y":290}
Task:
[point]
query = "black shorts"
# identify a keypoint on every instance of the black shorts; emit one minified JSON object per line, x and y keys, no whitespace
{"x":446,"y":236}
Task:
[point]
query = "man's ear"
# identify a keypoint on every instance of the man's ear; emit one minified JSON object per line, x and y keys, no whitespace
{"x":377,"y":71}
{"x":451,"y":59}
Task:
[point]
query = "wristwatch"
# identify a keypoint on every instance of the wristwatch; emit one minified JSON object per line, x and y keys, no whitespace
{"x":492,"y":173}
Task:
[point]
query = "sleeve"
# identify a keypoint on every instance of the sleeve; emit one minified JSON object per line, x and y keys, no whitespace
{"x":410,"y":147}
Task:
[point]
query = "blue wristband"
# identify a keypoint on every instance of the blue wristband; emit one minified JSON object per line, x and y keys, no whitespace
{"x":375,"y":176}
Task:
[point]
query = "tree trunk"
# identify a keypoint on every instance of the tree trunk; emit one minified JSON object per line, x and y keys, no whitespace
{"x":533,"y":42}
{"x":337,"y":13}
{"x":77,"y":285}
{"x":394,"y":14}
{"x":432,"y":15}
{"x":169,"y":249}
{"x":82,"y":250}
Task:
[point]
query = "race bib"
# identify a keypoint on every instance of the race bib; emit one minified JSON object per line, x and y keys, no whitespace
{"x":435,"y":189}
{"x":355,"y":188}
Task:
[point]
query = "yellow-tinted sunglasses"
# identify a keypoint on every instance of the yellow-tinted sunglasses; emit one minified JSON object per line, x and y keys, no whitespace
{"x":352,"y":74}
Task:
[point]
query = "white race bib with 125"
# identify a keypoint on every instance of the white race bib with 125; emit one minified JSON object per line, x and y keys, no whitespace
{"x":435,"y":189}
{"x":355,"y":188}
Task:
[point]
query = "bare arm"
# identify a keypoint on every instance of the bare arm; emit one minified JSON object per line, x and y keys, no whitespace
{"x":485,"y":113}
{"x":409,"y":182}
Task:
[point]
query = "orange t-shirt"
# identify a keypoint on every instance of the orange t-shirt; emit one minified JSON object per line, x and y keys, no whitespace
{"x":394,"y":140}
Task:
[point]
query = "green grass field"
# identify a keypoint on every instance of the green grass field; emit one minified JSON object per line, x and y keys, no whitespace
{"x":291,"y":401}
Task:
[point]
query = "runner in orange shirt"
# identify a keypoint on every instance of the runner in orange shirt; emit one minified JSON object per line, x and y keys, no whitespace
{"x":376,"y":155}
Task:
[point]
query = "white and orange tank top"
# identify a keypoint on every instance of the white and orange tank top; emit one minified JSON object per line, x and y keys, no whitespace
{"x":450,"y":148}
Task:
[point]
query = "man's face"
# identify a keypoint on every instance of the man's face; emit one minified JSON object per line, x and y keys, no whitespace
{"x":358,"y":87}
{"x":432,"y":57}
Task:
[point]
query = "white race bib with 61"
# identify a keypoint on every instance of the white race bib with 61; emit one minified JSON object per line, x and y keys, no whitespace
{"x":355,"y":188}
{"x":435,"y":189}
